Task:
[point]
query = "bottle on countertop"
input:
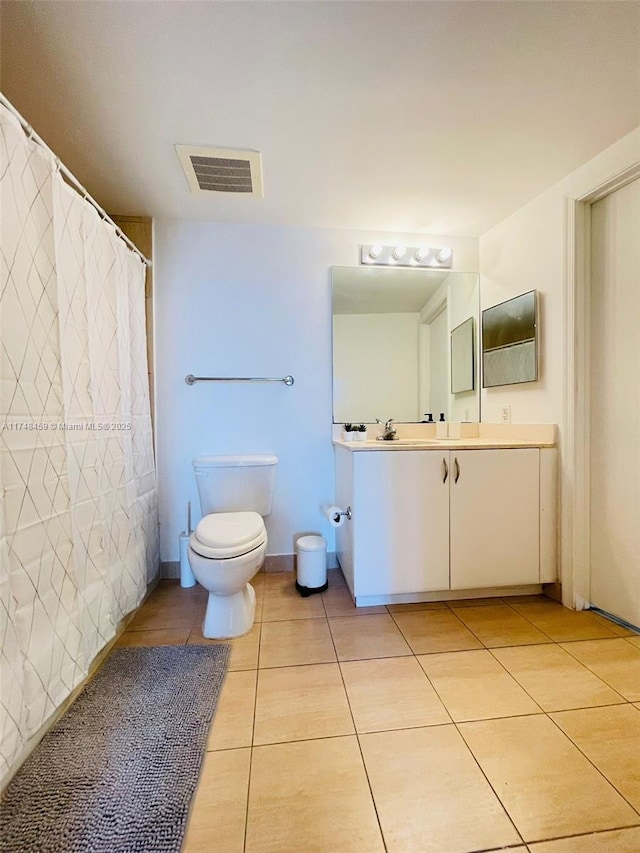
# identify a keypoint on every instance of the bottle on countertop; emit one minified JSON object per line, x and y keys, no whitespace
{"x":442,"y":428}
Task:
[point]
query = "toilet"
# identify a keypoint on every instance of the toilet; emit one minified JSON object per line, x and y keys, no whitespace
{"x":229,"y":544}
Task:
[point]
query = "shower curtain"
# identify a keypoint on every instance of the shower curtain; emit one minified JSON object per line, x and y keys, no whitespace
{"x":78,"y":502}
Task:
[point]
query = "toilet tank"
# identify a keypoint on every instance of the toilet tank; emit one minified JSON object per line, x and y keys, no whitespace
{"x":235,"y":483}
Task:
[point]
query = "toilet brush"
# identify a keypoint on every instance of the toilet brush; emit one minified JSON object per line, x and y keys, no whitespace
{"x":187,"y":578}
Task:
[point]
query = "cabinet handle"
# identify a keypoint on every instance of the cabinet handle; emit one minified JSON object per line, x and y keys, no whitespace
{"x":445,"y":470}
{"x":455,"y":462}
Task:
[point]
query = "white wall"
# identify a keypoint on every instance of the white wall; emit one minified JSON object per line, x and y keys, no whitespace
{"x":526,"y":252}
{"x":376,"y":359}
{"x":238,"y":300}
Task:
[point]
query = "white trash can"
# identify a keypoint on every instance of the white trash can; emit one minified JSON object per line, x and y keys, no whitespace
{"x":312,"y":565}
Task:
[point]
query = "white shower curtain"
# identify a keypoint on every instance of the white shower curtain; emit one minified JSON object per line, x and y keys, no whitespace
{"x":78,"y":502}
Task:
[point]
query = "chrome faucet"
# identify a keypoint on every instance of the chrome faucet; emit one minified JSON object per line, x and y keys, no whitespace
{"x":389,"y":433}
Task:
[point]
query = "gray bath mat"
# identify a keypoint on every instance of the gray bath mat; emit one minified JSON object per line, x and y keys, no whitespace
{"x":116,"y":774}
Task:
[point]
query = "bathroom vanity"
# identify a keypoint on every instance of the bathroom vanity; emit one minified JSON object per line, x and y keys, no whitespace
{"x":442,"y":519}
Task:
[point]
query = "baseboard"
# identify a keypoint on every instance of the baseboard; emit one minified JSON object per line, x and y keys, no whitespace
{"x":279,"y":563}
{"x":553,"y":590}
{"x":287,"y":562}
{"x":170,"y":569}
{"x":272,"y":563}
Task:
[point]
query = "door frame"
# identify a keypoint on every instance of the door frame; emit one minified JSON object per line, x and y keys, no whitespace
{"x":575,"y":480}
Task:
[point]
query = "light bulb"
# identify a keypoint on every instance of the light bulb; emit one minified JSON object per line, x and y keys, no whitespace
{"x":398,"y":252}
{"x":422,"y":253}
{"x":375,"y":251}
{"x":444,"y":255}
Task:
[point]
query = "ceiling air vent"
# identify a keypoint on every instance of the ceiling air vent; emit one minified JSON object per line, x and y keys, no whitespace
{"x":222,"y":170}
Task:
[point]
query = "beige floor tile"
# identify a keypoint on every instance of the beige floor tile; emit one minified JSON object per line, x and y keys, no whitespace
{"x":618,"y":630}
{"x":562,"y":624}
{"x":547,"y":786}
{"x":335,"y":578}
{"x":430,"y":794}
{"x":635,"y":641}
{"x":283,"y":602}
{"x":154,"y":637}
{"x":391,"y":693}
{"x":610,"y":738}
{"x":435,"y":631}
{"x":311,"y":796}
{"x":157,"y":614}
{"x":527,"y":599}
{"x":218,"y":811}
{"x":474,"y":686}
{"x":170,"y":590}
{"x":615,"y":661}
{"x":232,"y":725}
{"x":418,"y":605}
{"x":554,"y":679}
{"x":500,"y":625}
{"x":338,"y":602}
{"x":301,"y":702}
{"x":244,"y":650}
{"x":367,"y":637}
{"x":277,"y":579}
{"x":615,"y":841}
{"x":296,"y":642}
{"x":474,"y":602}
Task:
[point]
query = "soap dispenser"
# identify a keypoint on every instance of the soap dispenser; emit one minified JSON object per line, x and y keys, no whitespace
{"x":442,"y":428}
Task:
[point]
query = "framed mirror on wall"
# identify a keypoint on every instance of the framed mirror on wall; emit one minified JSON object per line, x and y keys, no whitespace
{"x":405,"y":343}
{"x":463,"y":361}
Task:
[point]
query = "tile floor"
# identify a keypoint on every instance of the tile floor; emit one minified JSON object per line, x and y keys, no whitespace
{"x":476,"y":726}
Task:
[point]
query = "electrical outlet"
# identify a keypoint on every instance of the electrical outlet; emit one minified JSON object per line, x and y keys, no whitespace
{"x":505,"y":413}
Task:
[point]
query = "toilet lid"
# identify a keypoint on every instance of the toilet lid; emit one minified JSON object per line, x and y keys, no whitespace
{"x":228,"y":534}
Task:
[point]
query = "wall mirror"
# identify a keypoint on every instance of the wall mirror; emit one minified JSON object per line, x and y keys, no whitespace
{"x":405,"y":343}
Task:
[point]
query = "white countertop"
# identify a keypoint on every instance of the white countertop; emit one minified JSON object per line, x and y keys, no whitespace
{"x":468,"y":437}
{"x":443,"y":444}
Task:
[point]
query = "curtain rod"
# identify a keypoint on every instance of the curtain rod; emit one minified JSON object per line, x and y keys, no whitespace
{"x":71,"y":178}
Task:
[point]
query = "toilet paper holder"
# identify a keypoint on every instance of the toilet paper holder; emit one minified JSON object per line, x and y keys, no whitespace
{"x":342,"y":512}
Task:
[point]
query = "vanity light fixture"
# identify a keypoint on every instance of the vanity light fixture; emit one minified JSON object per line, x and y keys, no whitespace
{"x":406,"y":256}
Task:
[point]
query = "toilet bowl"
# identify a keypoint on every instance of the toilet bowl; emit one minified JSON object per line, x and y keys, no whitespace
{"x":229,"y":544}
{"x":226,"y":550}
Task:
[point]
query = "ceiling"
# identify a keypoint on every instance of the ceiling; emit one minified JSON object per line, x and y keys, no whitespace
{"x":415,"y":117}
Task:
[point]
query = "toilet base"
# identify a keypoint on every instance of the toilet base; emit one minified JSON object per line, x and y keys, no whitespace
{"x":229,"y":616}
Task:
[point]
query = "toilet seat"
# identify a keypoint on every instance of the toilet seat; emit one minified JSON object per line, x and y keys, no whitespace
{"x":224,"y":535}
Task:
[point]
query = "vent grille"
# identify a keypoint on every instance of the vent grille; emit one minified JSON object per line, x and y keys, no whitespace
{"x":223,"y":176}
{"x":221,"y":170}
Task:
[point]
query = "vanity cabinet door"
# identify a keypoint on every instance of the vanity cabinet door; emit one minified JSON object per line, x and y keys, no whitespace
{"x":401,"y":522}
{"x":495,"y":511}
